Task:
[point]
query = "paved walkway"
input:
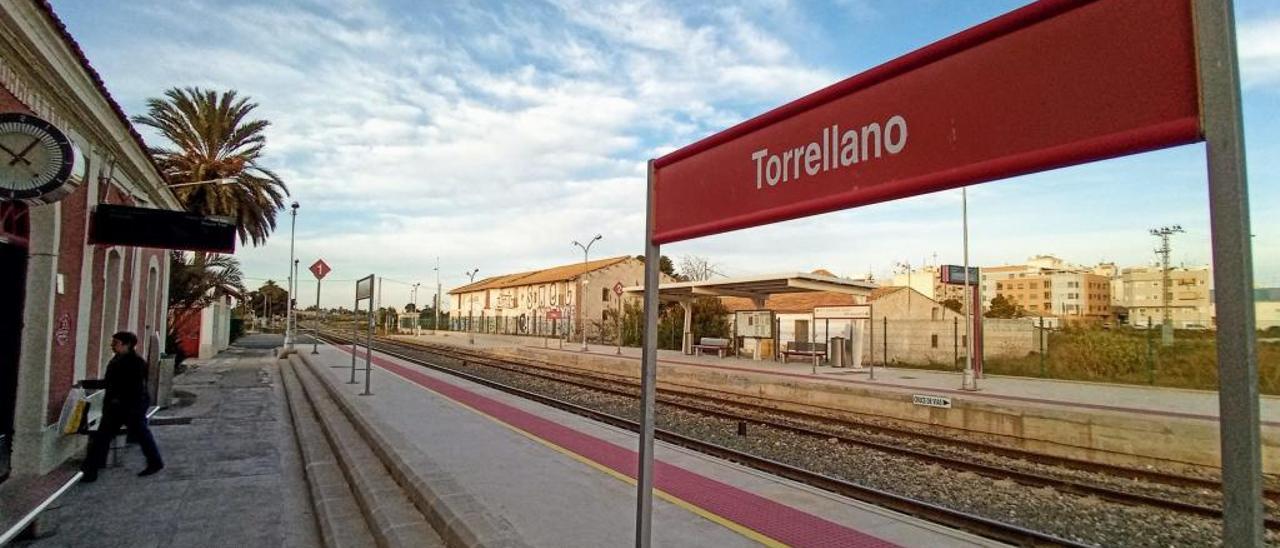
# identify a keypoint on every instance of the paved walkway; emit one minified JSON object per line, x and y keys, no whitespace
{"x":231,"y":476}
{"x":1192,"y":404}
{"x":562,"y":480}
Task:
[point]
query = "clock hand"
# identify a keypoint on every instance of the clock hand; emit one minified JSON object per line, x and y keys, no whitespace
{"x":20,"y":155}
{"x":14,"y":154}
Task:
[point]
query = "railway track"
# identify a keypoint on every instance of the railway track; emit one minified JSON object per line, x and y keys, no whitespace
{"x":737,"y":410}
{"x":979,"y":525}
{"x":1135,"y":474}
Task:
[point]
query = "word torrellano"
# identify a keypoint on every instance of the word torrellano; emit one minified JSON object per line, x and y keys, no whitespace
{"x":835,"y":150}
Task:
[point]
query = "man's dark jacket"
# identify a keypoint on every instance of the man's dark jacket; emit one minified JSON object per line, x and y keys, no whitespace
{"x":126,"y":384}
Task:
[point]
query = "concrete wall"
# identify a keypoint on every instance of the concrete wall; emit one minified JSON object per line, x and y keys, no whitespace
{"x":215,"y":329}
{"x":1111,"y":437}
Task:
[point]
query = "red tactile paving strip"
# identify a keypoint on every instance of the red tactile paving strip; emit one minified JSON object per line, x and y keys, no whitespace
{"x":776,"y":521}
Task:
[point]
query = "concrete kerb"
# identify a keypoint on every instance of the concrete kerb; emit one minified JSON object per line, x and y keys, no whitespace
{"x":337,"y":514}
{"x":387,"y":507}
{"x":456,"y":515}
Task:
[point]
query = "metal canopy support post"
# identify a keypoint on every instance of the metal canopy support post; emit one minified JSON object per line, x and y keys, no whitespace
{"x":968,"y":382}
{"x":1232,"y":273}
{"x":648,"y":376}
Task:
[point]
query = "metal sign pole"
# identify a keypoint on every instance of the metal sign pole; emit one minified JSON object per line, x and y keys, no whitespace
{"x":648,"y":375}
{"x":1232,"y":274}
{"x":368,"y":345}
{"x":967,"y":382}
{"x":355,"y":335}
{"x":315,"y":336}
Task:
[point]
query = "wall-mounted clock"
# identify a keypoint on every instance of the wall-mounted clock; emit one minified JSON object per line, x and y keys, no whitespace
{"x":36,"y":160}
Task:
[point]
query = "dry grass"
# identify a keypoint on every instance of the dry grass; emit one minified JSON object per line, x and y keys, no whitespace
{"x":1136,"y":357}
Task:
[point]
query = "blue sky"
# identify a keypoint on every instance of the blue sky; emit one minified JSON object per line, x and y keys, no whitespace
{"x":492,"y":134}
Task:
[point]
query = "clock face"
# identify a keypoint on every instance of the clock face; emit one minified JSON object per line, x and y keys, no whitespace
{"x":35,"y":157}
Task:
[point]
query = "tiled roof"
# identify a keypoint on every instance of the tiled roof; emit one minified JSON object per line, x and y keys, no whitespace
{"x":546,"y":275}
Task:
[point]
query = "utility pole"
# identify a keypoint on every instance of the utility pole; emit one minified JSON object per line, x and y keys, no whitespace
{"x":906,"y":265}
{"x":582,"y":293}
{"x":472,"y":306}
{"x":1166,"y":321}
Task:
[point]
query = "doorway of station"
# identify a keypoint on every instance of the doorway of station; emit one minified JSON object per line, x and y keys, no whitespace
{"x":13,"y":278}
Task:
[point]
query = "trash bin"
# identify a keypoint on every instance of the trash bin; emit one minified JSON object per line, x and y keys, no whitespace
{"x":836,"y":350}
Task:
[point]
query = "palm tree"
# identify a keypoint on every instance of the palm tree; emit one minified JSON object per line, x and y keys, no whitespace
{"x":196,"y":278}
{"x":214,"y":139}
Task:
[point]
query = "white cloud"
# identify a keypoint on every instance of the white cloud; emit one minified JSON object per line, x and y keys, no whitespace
{"x":1259,"y":50}
{"x":493,"y":136}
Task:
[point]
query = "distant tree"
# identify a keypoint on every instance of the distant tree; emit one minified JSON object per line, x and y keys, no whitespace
{"x":694,"y":268}
{"x":954,"y":305}
{"x":1004,"y":308}
{"x":410,"y":308}
{"x":270,"y":298}
{"x":665,"y":265}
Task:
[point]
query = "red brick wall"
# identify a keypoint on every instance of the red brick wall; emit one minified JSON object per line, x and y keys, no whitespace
{"x":9,"y":103}
{"x":66,"y":307}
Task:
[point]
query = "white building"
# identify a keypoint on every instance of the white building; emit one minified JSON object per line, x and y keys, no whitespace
{"x":548,"y":301}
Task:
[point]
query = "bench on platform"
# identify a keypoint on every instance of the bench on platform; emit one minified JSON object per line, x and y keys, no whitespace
{"x":806,"y":349}
{"x":23,"y":498}
{"x":712,"y":344}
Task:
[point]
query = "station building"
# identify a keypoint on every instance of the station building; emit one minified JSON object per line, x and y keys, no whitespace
{"x":905,"y":326}
{"x":60,"y":297}
{"x":548,"y":301}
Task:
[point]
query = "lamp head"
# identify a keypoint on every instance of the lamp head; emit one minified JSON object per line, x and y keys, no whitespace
{"x":294,"y":206}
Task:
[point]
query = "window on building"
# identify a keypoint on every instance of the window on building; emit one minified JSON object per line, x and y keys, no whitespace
{"x":604,"y":294}
{"x":933,"y":341}
{"x":999,"y":286}
{"x":934,"y":316}
{"x":1034,"y":307}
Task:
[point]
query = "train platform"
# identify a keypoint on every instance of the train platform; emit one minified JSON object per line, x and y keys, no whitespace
{"x":1118,"y":424}
{"x":558,"y":479}
{"x":1141,"y":400}
{"x":231,"y":475}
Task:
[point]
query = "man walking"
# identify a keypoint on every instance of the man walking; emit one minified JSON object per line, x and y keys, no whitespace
{"x":125,"y":405}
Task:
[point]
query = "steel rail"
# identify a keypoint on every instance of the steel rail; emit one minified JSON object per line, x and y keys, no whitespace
{"x":1137,"y":474}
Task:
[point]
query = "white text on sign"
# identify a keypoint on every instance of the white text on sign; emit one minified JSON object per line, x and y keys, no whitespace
{"x":931,"y":401}
{"x":836,"y":150}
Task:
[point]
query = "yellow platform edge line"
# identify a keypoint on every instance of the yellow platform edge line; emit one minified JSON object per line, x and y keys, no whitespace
{"x":707,"y":514}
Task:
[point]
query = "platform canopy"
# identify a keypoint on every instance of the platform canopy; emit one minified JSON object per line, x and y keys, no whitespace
{"x":758,"y":288}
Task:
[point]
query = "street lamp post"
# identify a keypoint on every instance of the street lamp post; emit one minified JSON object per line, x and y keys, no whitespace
{"x":471,"y":306}
{"x":288,"y":322}
{"x":417,"y":323}
{"x":435,"y":325}
{"x":582,"y":293}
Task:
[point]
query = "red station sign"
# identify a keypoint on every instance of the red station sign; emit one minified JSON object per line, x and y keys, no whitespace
{"x":1057,"y":83}
{"x":320,"y":269}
